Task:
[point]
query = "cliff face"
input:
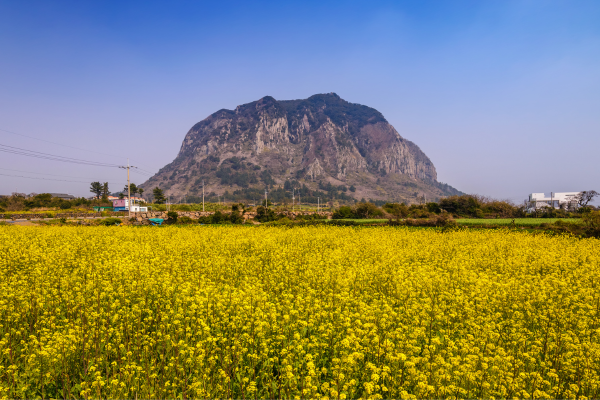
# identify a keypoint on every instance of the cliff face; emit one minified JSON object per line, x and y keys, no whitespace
{"x":319,"y":139}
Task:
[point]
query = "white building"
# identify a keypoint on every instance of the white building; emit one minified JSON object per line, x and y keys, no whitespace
{"x":123,"y":205}
{"x":565,"y":200}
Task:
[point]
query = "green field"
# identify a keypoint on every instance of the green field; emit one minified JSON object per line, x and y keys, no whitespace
{"x":481,"y":221}
{"x":518,"y":221}
{"x":364,"y":221}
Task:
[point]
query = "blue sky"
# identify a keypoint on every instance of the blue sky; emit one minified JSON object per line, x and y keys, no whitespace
{"x":504,"y":97}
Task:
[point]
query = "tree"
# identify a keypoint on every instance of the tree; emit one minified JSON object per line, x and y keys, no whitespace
{"x":264,"y":214}
{"x":159,"y":196}
{"x":366,"y":210}
{"x":465,"y":205}
{"x":344,"y":212}
{"x":585,"y":197}
{"x":236,"y":215}
{"x":134,"y":189}
{"x":140,"y":191}
{"x":434,"y":208}
{"x":96,"y":188}
{"x":105,"y":191}
{"x":396,"y":209}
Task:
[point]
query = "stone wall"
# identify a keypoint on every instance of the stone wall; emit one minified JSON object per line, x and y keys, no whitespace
{"x":141,"y":216}
{"x":197,"y":214}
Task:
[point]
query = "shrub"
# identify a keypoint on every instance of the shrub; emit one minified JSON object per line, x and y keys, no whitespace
{"x":591,"y":221}
{"x":236,"y":216}
{"x":343,"y":212}
{"x":185,"y":220}
{"x":219,"y":218}
{"x":367,"y":210}
{"x":398,"y":210}
{"x":438,"y":221}
{"x":110,"y":221}
{"x":501,"y":209}
{"x":283,"y":221}
{"x":584,"y":210}
{"x":172,"y":216}
{"x":342,"y":223}
{"x":264,"y":214}
{"x":308,"y":217}
{"x":419,"y":211}
{"x":434,"y":208}
{"x":204,"y":220}
{"x":465,"y":205}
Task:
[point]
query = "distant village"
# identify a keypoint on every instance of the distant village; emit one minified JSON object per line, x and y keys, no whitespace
{"x":567,"y":201}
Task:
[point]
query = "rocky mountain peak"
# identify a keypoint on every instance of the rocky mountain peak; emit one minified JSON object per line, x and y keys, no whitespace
{"x":309,"y":141}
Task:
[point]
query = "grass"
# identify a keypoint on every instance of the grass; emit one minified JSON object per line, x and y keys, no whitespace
{"x":524,"y":222}
{"x":364,"y":221}
{"x":518,"y":221}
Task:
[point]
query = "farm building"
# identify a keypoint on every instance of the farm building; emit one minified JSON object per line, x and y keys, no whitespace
{"x":139,"y":199}
{"x":123,"y":205}
{"x":565,"y":200}
{"x":102,"y":208}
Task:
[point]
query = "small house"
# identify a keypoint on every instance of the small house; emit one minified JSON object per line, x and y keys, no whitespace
{"x":123,"y":205}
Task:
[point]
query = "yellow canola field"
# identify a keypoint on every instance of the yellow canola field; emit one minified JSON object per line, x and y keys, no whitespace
{"x":315,"y":312}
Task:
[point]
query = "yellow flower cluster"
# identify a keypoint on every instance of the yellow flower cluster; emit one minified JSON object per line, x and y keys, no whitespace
{"x":315,"y":312}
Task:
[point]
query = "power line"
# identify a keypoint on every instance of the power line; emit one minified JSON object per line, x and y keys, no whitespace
{"x":141,"y":169}
{"x":58,"y":144}
{"x":50,"y":179}
{"x":142,"y":173}
{"x":52,"y":157}
{"x":41,"y":173}
{"x":64,"y":145}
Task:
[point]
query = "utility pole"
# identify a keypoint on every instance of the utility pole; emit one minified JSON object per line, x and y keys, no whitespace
{"x":318,"y":203}
{"x":266,"y":199}
{"x":202,"y":195}
{"x":128,"y":167}
{"x":293,"y":198}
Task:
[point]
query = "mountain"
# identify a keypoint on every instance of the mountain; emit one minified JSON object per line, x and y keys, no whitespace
{"x":326,"y":146}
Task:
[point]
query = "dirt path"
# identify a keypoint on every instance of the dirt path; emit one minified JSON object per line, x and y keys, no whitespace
{"x":24,"y":223}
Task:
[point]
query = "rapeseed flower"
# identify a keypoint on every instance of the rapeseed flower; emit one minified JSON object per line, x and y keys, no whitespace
{"x":315,"y":312}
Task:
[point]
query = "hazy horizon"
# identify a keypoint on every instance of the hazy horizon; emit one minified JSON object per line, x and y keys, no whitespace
{"x":503,"y":97}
